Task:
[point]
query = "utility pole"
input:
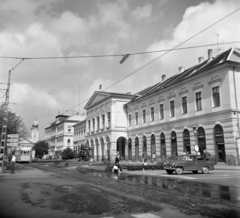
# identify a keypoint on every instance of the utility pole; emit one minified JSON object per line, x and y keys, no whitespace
{"x":4,"y":124}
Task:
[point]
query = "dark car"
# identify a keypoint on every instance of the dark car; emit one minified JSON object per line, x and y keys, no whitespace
{"x":189,"y":162}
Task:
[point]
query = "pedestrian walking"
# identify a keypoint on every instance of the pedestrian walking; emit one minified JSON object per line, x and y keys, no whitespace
{"x":12,"y":163}
{"x":116,"y":164}
{"x":206,"y":154}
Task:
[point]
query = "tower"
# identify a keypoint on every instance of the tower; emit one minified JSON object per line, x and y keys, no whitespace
{"x":34,"y":131}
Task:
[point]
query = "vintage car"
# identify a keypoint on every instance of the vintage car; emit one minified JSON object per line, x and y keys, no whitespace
{"x":189,"y":162}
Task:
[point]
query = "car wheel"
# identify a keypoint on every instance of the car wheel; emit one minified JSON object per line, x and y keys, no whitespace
{"x":179,"y":170}
{"x":169,"y":171}
{"x":205,"y":170}
{"x":195,"y":171}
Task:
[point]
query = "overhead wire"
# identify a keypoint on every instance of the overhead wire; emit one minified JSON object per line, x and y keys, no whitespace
{"x":117,"y":55}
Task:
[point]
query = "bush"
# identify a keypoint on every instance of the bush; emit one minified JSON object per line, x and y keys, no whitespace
{"x":67,"y":154}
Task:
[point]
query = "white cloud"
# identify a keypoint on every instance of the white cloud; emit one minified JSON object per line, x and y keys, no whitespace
{"x":142,"y":12}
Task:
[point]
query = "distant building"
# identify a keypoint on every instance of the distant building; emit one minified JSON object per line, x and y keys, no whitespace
{"x":79,"y":135}
{"x":59,"y":135}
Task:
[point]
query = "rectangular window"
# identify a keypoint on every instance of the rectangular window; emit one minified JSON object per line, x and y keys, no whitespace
{"x":109,"y":119}
{"x":136,"y":118}
{"x":144,"y":116}
{"x":184,"y":105}
{"x":93,"y":123}
{"x":103,"y":121}
{"x":129,"y":120}
{"x":152,"y":114}
{"x":69,"y":129}
{"x":161,"y":112}
{"x":216,"y":97}
{"x":172,"y":109}
{"x":199,"y":101}
{"x":89,"y":125}
{"x":98,"y":124}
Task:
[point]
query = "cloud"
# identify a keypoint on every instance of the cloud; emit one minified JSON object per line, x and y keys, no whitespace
{"x":142,"y":12}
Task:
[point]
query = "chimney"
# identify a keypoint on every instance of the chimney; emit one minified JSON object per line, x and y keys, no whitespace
{"x":163,"y":77}
{"x":200,"y":60}
{"x":181,"y":69}
{"x":210,"y":54}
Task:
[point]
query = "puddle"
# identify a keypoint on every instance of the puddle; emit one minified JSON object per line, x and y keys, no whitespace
{"x":81,"y":199}
{"x":181,"y":186}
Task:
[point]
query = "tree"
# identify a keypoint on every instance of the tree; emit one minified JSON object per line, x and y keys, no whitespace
{"x":15,"y":124}
{"x":67,"y":153}
{"x":41,"y":148}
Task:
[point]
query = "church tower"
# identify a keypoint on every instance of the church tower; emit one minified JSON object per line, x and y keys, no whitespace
{"x":34,"y":132}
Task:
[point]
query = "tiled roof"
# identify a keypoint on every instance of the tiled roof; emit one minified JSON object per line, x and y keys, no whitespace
{"x":232,"y":54}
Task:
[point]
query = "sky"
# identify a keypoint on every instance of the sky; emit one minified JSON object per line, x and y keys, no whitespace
{"x":43,"y":88}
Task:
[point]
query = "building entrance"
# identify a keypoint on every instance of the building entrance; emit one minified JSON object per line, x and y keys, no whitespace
{"x":220,"y":145}
{"x":121,"y":145}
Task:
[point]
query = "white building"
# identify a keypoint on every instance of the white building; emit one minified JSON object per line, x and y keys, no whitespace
{"x":79,"y":135}
{"x":59,"y":134}
{"x":199,"y":105}
{"x":106,"y":124}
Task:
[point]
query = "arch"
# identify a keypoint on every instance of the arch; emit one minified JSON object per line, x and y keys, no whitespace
{"x":174,"y":149}
{"x":102,"y":148}
{"x":129,"y":149}
{"x":144,"y":148}
{"x":219,"y":143}
{"x":153,"y":145}
{"x":201,"y":139}
{"x":163,"y":145}
{"x":136,"y":148}
{"x":68,"y":142}
{"x":186,"y":141}
{"x":108,"y":143}
{"x":97,"y":149}
{"x":121,"y":145}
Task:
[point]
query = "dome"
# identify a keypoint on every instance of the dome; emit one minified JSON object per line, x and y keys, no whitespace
{"x":35,"y":124}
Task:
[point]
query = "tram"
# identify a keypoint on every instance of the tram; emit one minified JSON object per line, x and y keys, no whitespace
{"x":23,"y":155}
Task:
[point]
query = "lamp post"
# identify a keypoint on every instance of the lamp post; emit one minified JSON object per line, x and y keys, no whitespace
{"x":196,"y":148}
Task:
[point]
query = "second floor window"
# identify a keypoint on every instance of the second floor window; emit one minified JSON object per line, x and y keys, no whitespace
{"x":216,"y":97}
{"x":89,"y":125}
{"x":109,"y":119}
{"x":161,"y":111}
{"x":93,"y":123}
{"x":152,"y":113}
{"x":136,"y":118}
{"x":172,"y":109}
{"x":198,"y":101}
{"x":184,"y":105}
{"x":69,"y":129}
{"x":103,"y":121}
{"x":129,"y":120}
{"x":98,"y":123}
{"x":144,"y":116}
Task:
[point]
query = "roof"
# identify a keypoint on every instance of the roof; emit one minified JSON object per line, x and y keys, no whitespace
{"x":231,"y":55}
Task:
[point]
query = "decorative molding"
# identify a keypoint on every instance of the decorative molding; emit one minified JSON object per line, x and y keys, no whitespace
{"x":215,"y":81}
{"x":183,"y":92}
{"x":197,"y":87}
{"x":152,"y":102}
{"x":171,"y":96}
{"x":143,"y":105}
{"x":161,"y":99}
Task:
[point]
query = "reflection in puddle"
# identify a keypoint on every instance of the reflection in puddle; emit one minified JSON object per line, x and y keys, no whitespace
{"x":181,"y":186}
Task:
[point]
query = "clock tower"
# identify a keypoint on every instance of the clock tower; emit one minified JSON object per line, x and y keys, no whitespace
{"x":34,"y":132}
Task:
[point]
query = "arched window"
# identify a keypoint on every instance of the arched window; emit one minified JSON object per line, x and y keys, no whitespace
{"x":163,"y":145}
{"x":153,"y":145}
{"x":68,"y":142}
{"x":201,"y":139}
{"x":174,"y":143}
{"x":219,"y":143}
{"x":129,"y":149}
{"x":186,"y":141}
{"x":144,"y":144}
{"x":136,"y":148}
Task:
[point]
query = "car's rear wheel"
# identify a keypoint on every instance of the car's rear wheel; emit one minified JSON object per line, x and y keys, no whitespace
{"x":195,"y":171}
{"x":205,"y":170}
{"x":169,"y":171}
{"x":179,"y":170}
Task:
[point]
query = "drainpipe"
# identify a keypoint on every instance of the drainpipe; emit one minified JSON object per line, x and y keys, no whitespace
{"x":235,"y":90}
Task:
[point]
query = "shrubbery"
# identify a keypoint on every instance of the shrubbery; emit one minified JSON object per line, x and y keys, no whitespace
{"x":67,"y":154}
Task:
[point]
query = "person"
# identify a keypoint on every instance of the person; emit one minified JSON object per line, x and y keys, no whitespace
{"x":116,"y":164}
{"x":206,"y":154}
{"x":12,"y":163}
{"x":154,"y":157}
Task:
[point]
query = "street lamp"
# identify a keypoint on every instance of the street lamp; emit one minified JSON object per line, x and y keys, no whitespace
{"x":196,"y":148}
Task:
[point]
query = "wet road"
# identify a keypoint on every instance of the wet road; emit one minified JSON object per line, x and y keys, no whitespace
{"x":99,"y":194}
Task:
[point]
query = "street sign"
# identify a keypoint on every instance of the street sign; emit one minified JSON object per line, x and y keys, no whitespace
{"x":12,"y":140}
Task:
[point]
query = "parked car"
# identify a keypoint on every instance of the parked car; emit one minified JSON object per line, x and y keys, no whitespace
{"x":189,"y":162}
